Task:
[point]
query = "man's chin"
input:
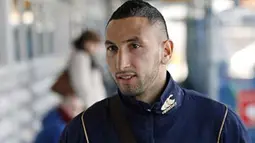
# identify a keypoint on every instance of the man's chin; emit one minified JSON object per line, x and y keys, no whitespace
{"x":129,"y":92}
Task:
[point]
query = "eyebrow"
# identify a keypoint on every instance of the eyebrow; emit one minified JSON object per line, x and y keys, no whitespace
{"x":108,"y":42}
{"x":133,"y":39}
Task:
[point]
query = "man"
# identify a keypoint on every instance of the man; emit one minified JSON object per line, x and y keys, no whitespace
{"x":150,"y":107}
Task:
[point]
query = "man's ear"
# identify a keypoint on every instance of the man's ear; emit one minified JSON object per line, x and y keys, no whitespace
{"x":167,"y":51}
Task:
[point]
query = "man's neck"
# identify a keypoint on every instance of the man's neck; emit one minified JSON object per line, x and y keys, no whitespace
{"x":153,"y":92}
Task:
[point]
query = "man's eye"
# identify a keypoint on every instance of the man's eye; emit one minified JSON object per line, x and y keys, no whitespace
{"x":135,"y":46}
{"x":111,"y":48}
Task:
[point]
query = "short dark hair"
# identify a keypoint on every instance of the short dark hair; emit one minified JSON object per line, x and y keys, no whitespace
{"x":139,"y":8}
{"x":85,"y":36}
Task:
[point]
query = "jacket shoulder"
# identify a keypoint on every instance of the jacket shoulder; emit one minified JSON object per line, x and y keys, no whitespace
{"x":205,"y":107}
{"x":91,"y":119}
{"x":203,"y":100}
{"x":96,"y":112}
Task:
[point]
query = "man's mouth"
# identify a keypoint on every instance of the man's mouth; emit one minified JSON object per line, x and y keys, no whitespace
{"x":125,"y":76}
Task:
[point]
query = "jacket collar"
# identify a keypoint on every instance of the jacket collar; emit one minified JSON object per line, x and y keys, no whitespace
{"x":170,"y":99}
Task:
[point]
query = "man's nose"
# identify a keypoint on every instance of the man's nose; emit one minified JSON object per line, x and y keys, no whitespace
{"x":123,"y":60}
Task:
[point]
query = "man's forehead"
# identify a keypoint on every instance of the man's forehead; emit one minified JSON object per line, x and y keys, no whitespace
{"x":128,"y":27}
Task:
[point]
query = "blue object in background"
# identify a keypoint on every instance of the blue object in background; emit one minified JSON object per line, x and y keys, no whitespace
{"x":53,"y":125}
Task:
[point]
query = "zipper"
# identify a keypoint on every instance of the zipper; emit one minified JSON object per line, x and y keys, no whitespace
{"x":152,"y":128}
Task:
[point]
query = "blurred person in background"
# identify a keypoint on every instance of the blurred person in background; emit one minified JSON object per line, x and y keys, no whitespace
{"x":85,"y":70}
{"x":56,"y":119}
{"x":80,"y":86}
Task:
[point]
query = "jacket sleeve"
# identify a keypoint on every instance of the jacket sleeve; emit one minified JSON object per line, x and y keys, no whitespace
{"x":234,"y":130}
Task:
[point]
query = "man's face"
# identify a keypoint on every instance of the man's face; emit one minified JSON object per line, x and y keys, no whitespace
{"x":133,"y":54}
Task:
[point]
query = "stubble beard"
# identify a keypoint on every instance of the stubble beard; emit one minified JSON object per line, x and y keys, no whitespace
{"x":143,"y":83}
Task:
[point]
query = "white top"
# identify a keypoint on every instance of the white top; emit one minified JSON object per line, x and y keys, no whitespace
{"x":87,"y":81}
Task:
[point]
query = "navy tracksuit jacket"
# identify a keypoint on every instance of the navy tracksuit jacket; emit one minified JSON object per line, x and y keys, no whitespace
{"x":188,"y":117}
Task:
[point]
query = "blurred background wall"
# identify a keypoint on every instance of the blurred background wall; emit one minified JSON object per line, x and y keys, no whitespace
{"x":214,"y":53}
